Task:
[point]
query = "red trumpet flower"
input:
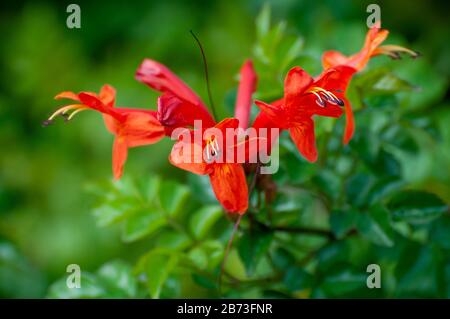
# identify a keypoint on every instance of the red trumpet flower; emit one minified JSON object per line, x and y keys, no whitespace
{"x":207,"y":156}
{"x":303,"y":98}
{"x":372,"y":47}
{"x":131,"y":127}
{"x":178,"y":107}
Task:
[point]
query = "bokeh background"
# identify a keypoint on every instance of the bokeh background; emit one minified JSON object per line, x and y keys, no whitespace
{"x":46,"y":174}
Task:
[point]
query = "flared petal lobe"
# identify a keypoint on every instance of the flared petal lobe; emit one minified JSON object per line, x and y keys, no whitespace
{"x":107,"y":95}
{"x":275,"y":114}
{"x":303,"y":136}
{"x":295,"y":84}
{"x":333,"y":58}
{"x":349,"y":122}
{"x":93,"y":102}
{"x":187,"y":154}
{"x":230,"y":187}
{"x":67,"y":95}
{"x":141,"y":128}
{"x":375,"y":36}
{"x":119,"y":156}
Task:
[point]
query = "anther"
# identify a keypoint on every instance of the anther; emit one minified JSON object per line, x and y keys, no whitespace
{"x":320,"y":102}
{"x":323,"y":96}
{"x":46,"y":123}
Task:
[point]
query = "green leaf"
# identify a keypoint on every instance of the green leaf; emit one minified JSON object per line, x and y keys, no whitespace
{"x":173,"y":240}
{"x":207,"y":255}
{"x":234,"y":265}
{"x":90,"y":287}
{"x":203,"y":190}
{"x":263,"y":21}
{"x":343,"y":221}
{"x":440,"y":232}
{"x":293,"y":53}
{"x":382,"y":81}
{"x":385,"y":164}
{"x":366,"y":144}
{"x":198,"y":257}
{"x":331,"y":255}
{"x":149,"y":187}
{"x":114,"y":211}
{"x":202,"y":221}
{"x":157,"y":265}
{"x":375,"y":226}
{"x":252,"y":247}
{"x":18,"y":277}
{"x":384,"y":187}
{"x":117,"y":276}
{"x":358,"y":187}
{"x":173,"y":197}
{"x":297,"y":279}
{"x":418,"y":272}
{"x":416,"y":206}
{"x":215,"y":251}
{"x":328,"y":182}
{"x":282,"y":259}
{"x":204,"y":281}
{"x":142,"y":223}
{"x":343,"y":282}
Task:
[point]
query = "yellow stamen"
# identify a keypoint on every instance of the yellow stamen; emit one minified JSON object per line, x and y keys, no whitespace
{"x":394,"y":51}
{"x":65,"y":109}
{"x":207,"y":151}
{"x":323,"y":94}
{"x":212,"y":148}
{"x":77,"y":111}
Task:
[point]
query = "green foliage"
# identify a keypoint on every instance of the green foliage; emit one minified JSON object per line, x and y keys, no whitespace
{"x":312,"y":229}
{"x":18,"y":278}
{"x":113,"y":280}
{"x":416,"y":207}
{"x":178,"y":230}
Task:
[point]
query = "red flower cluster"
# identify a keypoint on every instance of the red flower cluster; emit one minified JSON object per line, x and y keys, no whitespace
{"x":179,"y":107}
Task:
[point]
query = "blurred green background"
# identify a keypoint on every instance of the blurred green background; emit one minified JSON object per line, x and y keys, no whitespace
{"x":46,"y":174}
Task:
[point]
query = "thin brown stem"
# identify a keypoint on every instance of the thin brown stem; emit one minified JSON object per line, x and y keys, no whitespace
{"x":227,"y":251}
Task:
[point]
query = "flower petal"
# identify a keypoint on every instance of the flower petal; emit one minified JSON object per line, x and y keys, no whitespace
{"x":227,"y":123}
{"x":119,"y":156}
{"x":333,"y":58}
{"x":295,"y":84}
{"x":303,"y":136}
{"x":141,"y":128}
{"x":67,"y":95}
{"x":374,"y":37}
{"x":274,"y":113}
{"x":174,"y":112}
{"x":188,"y":155}
{"x":266,"y":140}
{"x":230,"y":187}
{"x":107,"y":95}
{"x":335,"y":81}
{"x":247,"y":85}
{"x":349,"y":122}
{"x":160,"y":78}
{"x":92,"y":101}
